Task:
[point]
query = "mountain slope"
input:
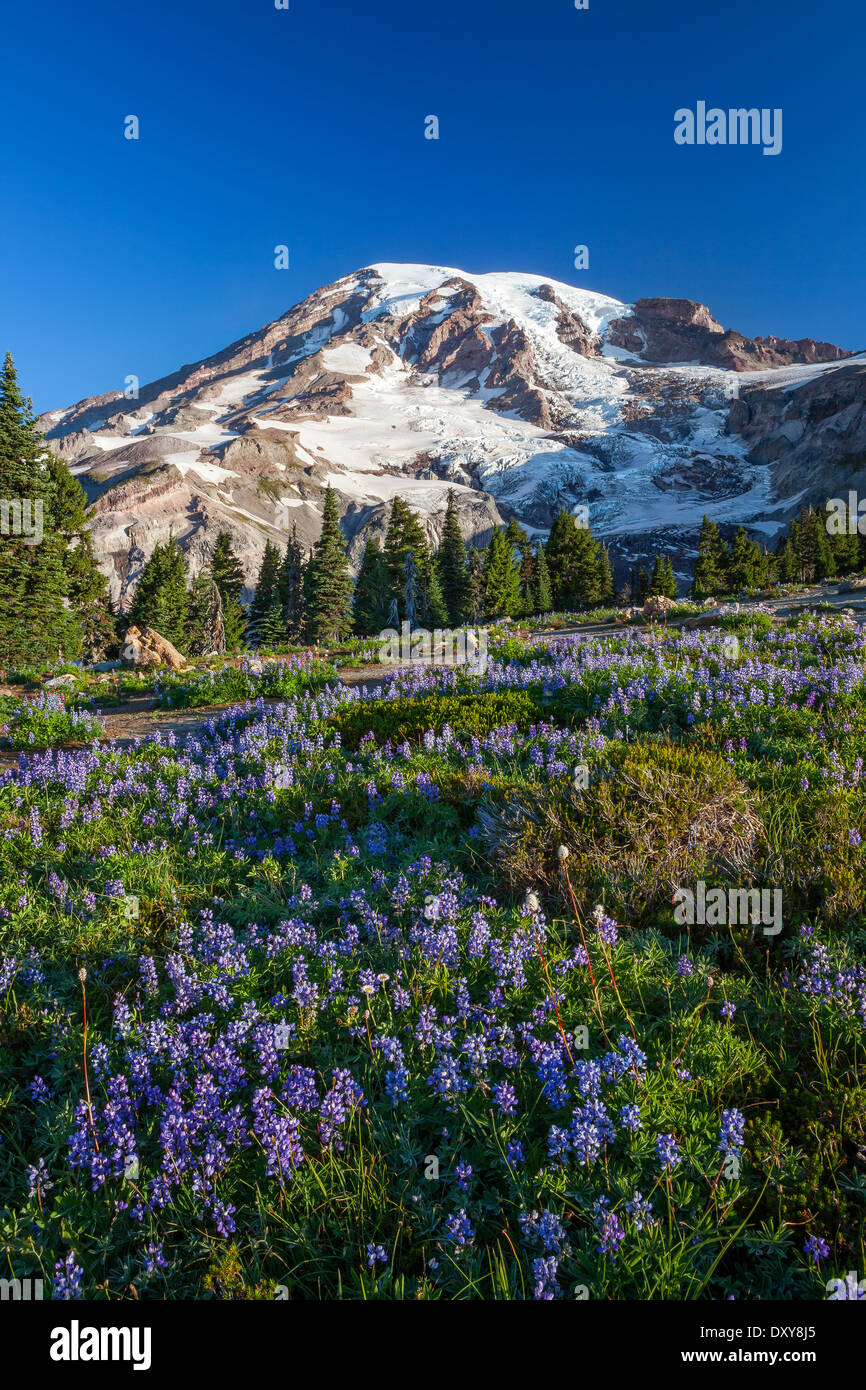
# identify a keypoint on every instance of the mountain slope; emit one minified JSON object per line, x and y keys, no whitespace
{"x":521,"y":393}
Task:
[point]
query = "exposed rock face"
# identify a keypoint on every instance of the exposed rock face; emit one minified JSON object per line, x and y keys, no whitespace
{"x":148,"y":648}
{"x":519,"y":393}
{"x":811,"y":434}
{"x":681,"y":330}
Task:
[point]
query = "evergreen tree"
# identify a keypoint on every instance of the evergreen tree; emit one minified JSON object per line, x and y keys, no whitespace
{"x":844,"y":541}
{"x":452,"y":566}
{"x":436,"y":613}
{"x":205,"y":626}
{"x":502,"y":578}
{"x":370,"y":601}
{"x":786,"y":561}
{"x":406,"y":533}
{"x":825,"y":560}
{"x":267,"y":592}
{"x":543,"y":594}
{"x":37,"y":620}
{"x":572,"y":558}
{"x":328,"y":583}
{"x":515,"y":533}
{"x":160,"y":599}
{"x":528,"y":582}
{"x":663,"y":581}
{"x":290,"y":585}
{"x":477,"y":584}
{"x":272,"y":631}
{"x":85,"y":585}
{"x":228,"y":574}
{"x":710,"y":574}
{"x":640,"y":585}
{"x":606,"y":588}
{"x":743,"y":571}
{"x":804,"y":541}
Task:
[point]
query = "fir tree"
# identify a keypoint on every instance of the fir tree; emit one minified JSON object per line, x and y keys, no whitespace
{"x":37,"y":620}
{"x":406,"y":533}
{"x":370,"y":600}
{"x":786,"y":562}
{"x":543,"y":594}
{"x":528,"y":583}
{"x":640,"y":585}
{"x":228,"y":574}
{"x":606,"y":589}
{"x":710,"y":567}
{"x":291,"y":589}
{"x":272,"y":631}
{"x":160,"y":599}
{"x":844,"y":537}
{"x":267,"y":592}
{"x":452,"y":566}
{"x":663,"y":581}
{"x":86,"y":587}
{"x":436,"y":614}
{"x":825,"y":559}
{"x":328,"y":584}
{"x":205,"y":627}
{"x":477,"y":584}
{"x":572,"y":558}
{"x":515,"y":533}
{"x":502,"y":578}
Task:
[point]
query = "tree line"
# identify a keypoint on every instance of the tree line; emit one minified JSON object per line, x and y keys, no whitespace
{"x":811,"y":550}
{"x":54,"y":601}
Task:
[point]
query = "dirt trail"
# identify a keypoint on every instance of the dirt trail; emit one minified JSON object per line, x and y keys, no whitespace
{"x":139,"y":716}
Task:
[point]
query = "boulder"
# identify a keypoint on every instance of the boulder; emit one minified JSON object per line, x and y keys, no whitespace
{"x":59,"y":682}
{"x":657,"y":605}
{"x":149,"y":648}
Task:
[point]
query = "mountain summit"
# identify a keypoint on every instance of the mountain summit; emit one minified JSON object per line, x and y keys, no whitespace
{"x":521,"y":393}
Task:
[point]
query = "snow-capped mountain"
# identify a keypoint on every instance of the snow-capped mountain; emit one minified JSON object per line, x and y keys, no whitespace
{"x":521,"y":393}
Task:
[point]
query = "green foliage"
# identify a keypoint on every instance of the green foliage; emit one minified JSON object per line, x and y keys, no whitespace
{"x":267,"y":592}
{"x":46,"y":721}
{"x":501,"y":578}
{"x":576,"y":572}
{"x":453,"y":568}
{"x":407,"y":720}
{"x":663,"y":580}
{"x":49,"y":596}
{"x":328,"y":585}
{"x":160,"y":599}
{"x":710,"y":574}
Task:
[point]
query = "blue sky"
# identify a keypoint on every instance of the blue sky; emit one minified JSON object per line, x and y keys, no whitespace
{"x":305,"y":127}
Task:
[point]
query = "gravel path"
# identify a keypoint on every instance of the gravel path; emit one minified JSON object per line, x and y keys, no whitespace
{"x":139,"y":717}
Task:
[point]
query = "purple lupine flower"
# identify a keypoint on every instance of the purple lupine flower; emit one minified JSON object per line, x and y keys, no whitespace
{"x":67,"y":1278}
